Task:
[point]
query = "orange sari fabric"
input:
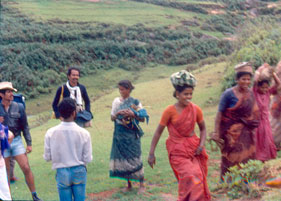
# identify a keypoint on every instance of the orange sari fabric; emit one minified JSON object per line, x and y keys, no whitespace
{"x":190,"y":170}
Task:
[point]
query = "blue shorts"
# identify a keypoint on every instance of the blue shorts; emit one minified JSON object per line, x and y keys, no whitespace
{"x":16,"y":148}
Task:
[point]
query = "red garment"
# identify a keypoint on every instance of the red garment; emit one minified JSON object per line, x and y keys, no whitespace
{"x":237,"y":130}
{"x":190,"y":170}
{"x":265,"y":147}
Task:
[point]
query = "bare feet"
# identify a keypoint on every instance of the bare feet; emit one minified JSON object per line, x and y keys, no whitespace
{"x":127,"y":189}
{"x":141,"y":190}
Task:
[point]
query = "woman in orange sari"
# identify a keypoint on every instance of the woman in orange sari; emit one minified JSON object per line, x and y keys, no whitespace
{"x":187,"y":155}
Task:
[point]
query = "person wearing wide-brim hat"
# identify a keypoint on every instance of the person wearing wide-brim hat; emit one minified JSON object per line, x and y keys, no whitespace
{"x":236,"y":120}
{"x":186,"y":152}
{"x":15,"y":118}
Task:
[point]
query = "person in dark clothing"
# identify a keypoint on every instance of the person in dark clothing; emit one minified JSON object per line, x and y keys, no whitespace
{"x":74,"y":90}
{"x":16,"y":120}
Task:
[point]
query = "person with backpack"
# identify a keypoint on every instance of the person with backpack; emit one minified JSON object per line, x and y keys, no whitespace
{"x":20,"y":99}
{"x":73,"y":89}
{"x":16,"y":120}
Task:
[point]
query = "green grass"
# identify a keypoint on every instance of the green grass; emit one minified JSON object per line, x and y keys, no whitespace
{"x":104,"y":11}
{"x":154,"y":89}
{"x":155,"y":95}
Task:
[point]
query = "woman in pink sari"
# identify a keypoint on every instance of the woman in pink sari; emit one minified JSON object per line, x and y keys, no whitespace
{"x":187,"y":155}
{"x":265,"y":147}
{"x":275,"y":111}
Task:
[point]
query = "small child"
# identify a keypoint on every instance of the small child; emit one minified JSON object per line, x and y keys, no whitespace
{"x":265,"y":147}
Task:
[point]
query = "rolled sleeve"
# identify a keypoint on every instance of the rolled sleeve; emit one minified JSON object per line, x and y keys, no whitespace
{"x":47,"y":149}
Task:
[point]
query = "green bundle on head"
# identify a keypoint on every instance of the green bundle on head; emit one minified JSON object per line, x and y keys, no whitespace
{"x":182,"y":78}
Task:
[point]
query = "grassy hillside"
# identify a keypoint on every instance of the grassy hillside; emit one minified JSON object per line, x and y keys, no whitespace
{"x":159,"y":181}
{"x":116,"y":12}
{"x":40,"y":39}
{"x":154,"y":89}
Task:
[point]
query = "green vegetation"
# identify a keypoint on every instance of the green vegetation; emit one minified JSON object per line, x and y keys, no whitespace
{"x":247,"y":180}
{"x":159,"y":181}
{"x":37,"y":54}
{"x":260,"y":42}
{"x":41,"y":39}
{"x":141,"y":40}
{"x":116,"y":12}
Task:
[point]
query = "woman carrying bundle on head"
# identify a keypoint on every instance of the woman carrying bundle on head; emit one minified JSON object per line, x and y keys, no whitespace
{"x":125,"y":159}
{"x":275,"y":111}
{"x":187,"y":155}
{"x":265,"y":147}
{"x":237,"y":120}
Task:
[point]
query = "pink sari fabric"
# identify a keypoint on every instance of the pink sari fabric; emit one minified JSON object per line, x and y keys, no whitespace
{"x":265,"y":147}
{"x":190,"y":170}
{"x":275,"y":117}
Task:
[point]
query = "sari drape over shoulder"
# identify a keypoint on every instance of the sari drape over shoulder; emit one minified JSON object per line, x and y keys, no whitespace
{"x":190,"y":170}
{"x":125,"y":158}
{"x":275,"y":117}
{"x":237,"y":129}
{"x":265,"y":147}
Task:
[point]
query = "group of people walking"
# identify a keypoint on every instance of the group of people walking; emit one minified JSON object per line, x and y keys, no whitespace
{"x":242,"y":131}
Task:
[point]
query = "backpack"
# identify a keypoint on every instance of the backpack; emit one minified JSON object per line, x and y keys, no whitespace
{"x":19,"y":98}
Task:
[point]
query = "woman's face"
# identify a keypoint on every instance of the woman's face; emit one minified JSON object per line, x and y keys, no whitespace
{"x":125,"y":93}
{"x":263,"y":89}
{"x":244,"y":81}
{"x":185,"y":96}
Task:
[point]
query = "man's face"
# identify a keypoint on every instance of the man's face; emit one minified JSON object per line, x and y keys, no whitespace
{"x":73,"y":77}
{"x":8,"y":96}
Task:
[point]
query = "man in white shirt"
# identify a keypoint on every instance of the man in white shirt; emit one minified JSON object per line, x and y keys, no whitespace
{"x":69,"y":148}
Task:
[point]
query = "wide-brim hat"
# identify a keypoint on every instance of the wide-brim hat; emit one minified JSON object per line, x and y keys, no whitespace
{"x":7,"y":85}
{"x":244,"y":67}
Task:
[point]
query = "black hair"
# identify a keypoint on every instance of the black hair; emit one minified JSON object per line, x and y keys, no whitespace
{"x":181,"y":88}
{"x":3,"y":91}
{"x":240,"y":74}
{"x":73,"y":68}
{"x":126,"y":84}
{"x":66,"y":107}
{"x":260,"y":83}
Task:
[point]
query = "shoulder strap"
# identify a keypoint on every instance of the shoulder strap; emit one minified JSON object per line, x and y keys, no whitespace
{"x":61,"y":94}
{"x":14,"y":107}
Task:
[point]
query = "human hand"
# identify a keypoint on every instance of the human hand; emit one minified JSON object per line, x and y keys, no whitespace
{"x":198,"y":151}
{"x":215,"y":137}
{"x":1,"y":119}
{"x":10,"y":137}
{"x":28,"y":149}
{"x":128,"y":113}
{"x":151,"y":160}
{"x":120,"y":112}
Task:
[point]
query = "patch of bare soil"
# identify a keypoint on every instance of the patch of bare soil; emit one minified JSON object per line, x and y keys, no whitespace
{"x":232,"y":38}
{"x":272,"y":5}
{"x":94,"y":1}
{"x":101,"y":195}
{"x":216,"y":12}
{"x":168,"y":197}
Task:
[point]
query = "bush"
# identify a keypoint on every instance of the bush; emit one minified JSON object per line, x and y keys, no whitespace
{"x":259,"y":43}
